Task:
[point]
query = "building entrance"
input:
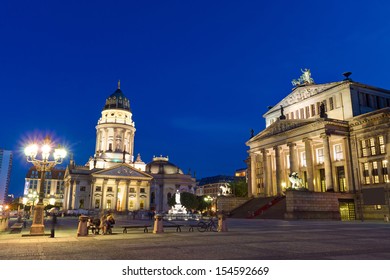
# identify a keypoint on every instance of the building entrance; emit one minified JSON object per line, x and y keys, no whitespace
{"x":347,"y":210}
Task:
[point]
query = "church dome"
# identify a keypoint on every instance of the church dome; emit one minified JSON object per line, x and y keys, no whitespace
{"x":117,"y":100}
{"x":161,"y":165}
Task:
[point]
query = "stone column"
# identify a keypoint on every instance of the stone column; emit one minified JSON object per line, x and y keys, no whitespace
{"x":116,"y":194}
{"x":348,"y":165}
{"x":253,"y":188}
{"x":66,"y":195}
{"x":267,"y":185}
{"x":309,"y":163}
{"x":161,"y":197}
{"x":293,"y":157}
{"x":98,"y":135}
{"x":269,"y":176}
{"x":73,"y":197}
{"x":114,"y":146}
{"x":103,"y":194}
{"x":91,"y":193}
{"x":327,"y":163}
{"x":278,"y":171}
{"x":127,"y":195}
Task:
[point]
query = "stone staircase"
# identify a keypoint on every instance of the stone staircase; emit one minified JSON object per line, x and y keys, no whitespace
{"x":261,"y":208}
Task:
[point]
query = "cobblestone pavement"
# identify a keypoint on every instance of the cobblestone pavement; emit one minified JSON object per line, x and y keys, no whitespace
{"x":245,"y":239}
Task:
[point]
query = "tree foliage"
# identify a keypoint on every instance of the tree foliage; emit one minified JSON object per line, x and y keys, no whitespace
{"x":239,"y":188}
{"x":188,"y":200}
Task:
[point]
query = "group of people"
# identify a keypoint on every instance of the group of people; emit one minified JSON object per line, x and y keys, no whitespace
{"x":105,"y":223}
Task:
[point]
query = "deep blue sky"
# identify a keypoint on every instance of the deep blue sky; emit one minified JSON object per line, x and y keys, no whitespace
{"x":199,"y":74}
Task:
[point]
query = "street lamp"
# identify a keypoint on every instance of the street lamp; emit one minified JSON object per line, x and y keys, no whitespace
{"x":43,"y":165}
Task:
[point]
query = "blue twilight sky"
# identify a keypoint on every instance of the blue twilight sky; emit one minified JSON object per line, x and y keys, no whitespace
{"x":199,"y":74}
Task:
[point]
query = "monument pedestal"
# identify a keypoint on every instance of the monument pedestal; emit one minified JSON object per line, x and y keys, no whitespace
{"x":38,"y":227}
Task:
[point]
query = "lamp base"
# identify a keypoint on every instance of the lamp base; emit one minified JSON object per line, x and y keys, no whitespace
{"x":38,"y":227}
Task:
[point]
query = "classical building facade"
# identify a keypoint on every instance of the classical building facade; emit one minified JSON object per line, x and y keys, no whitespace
{"x":111,"y":179}
{"x":332,"y":137}
{"x":53,"y":188}
{"x":167,"y":179}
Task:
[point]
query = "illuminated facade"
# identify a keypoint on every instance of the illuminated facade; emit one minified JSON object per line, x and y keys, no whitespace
{"x":5,"y":173}
{"x":167,"y":179}
{"x":111,"y":179}
{"x":53,"y":188}
{"x":334,"y":136}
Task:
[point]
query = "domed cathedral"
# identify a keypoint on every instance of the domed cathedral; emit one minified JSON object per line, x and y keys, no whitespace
{"x":114,"y":133}
{"x":111,"y":179}
{"x":330,"y":140}
{"x":167,"y":179}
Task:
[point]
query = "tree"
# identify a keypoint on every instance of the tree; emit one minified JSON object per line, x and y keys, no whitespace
{"x":239,"y":188}
{"x":188,"y":200}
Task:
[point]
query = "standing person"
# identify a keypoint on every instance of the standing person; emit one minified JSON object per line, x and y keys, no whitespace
{"x":103,"y":223}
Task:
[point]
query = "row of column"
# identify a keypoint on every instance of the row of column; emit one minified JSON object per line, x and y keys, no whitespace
{"x":267,"y":172}
{"x":124,"y":136}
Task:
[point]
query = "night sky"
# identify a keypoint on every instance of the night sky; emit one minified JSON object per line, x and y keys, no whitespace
{"x":199,"y":74}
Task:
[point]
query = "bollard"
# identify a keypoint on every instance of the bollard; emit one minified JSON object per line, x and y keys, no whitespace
{"x":82,"y":229}
{"x":222,"y":223}
{"x":158,"y":224}
{"x":52,"y":233}
{"x":386,"y":219}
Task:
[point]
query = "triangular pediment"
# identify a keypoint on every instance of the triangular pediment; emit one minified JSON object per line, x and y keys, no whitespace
{"x":303,"y":92}
{"x":123,"y":170}
{"x":281,"y":126}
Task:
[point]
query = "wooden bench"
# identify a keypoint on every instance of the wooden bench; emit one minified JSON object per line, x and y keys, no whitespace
{"x":145,"y":227}
{"x":16,"y":227}
{"x":178,"y":227}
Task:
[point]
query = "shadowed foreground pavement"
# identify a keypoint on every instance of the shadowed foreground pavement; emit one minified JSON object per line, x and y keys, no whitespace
{"x":245,"y":239}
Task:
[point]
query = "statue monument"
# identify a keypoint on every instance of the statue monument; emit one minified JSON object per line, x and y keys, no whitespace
{"x":177,"y":208}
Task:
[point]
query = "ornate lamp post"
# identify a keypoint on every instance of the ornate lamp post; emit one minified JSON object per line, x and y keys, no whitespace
{"x":42,"y":165}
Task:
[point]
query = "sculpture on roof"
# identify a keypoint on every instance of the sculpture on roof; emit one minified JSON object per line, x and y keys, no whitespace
{"x":304,"y":79}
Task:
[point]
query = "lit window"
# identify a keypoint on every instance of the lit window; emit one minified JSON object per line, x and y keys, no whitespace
{"x":307,"y":112}
{"x":366,"y":173}
{"x":109,"y":189}
{"x":98,"y":189}
{"x":320,"y":156}
{"x":108,"y":205}
{"x":331,"y":105}
{"x":385,"y":171}
{"x":313,"y":110}
{"x":375,"y":174}
{"x":381,"y":141}
{"x":97,"y":203}
{"x":364,"y":148}
{"x":378,"y":207}
{"x":338,"y":152}
{"x":371,"y":143}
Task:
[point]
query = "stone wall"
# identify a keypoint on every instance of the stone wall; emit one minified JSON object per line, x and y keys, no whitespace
{"x":227,"y":204}
{"x":314,"y":205}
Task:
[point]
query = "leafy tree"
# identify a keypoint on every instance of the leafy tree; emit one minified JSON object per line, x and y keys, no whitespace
{"x":239,"y":188}
{"x":202,"y":204}
{"x":188,"y":200}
